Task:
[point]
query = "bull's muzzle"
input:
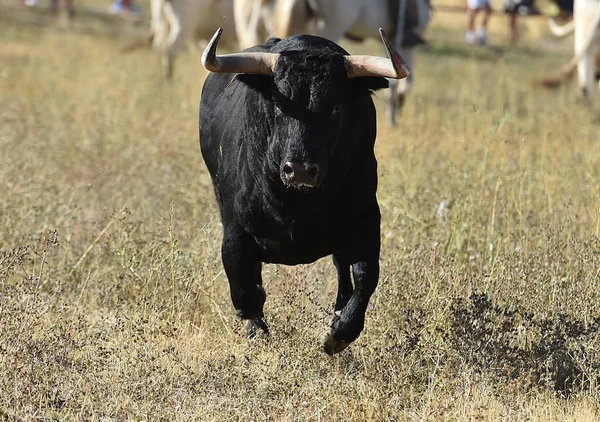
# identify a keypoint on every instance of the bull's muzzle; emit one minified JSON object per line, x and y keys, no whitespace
{"x":301,"y":173}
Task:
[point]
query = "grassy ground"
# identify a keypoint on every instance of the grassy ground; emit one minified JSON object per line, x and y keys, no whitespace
{"x":113,"y":301}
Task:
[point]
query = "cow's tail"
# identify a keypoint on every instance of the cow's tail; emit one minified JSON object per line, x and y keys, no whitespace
{"x":561,"y":31}
{"x":569,"y":69}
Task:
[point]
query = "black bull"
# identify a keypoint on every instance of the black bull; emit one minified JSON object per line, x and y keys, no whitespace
{"x":290,"y":153}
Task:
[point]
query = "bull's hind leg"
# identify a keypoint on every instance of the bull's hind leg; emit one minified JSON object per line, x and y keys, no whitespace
{"x":243,"y":269}
{"x":347,"y":325}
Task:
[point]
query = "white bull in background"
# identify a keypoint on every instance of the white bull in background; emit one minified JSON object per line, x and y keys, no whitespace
{"x":586,"y":17}
{"x":256,"y":20}
{"x":252,"y":21}
{"x":333,"y":19}
{"x":586,"y":27}
{"x":176,"y":22}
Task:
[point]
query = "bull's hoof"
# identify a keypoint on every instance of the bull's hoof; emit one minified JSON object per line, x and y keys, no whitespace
{"x":331,"y":346}
{"x":254,"y":326}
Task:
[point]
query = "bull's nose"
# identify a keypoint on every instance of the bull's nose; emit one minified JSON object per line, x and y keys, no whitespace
{"x":301,"y":173}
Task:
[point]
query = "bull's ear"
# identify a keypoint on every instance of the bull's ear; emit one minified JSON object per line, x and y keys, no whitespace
{"x":368,"y":84}
{"x":259,"y":83}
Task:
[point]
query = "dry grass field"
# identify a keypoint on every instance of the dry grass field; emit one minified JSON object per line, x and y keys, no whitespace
{"x":113,"y":302}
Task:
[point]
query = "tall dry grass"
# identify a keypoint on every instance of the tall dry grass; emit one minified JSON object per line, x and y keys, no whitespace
{"x":114,"y":305}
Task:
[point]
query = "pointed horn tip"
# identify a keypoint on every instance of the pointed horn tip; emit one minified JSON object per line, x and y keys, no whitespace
{"x":383,"y":36}
{"x":211,"y":47}
{"x":403,"y":70}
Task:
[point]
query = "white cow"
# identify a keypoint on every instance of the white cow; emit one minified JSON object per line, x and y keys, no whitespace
{"x":586,"y":16}
{"x":255,"y":20}
{"x":252,"y":21}
{"x":176,"y":22}
{"x":357,"y":19}
{"x":586,"y":26}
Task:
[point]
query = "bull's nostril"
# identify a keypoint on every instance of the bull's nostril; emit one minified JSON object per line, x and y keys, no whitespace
{"x":288,"y":169}
{"x":300,"y":173}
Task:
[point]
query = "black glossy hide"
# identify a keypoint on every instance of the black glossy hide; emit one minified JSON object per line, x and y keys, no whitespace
{"x":292,"y":162}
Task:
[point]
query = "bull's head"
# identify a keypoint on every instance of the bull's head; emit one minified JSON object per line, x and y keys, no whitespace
{"x":310,"y":93}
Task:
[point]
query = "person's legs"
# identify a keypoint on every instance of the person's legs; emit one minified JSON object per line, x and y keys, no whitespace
{"x":482,"y":32}
{"x":116,"y":6}
{"x":512,"y":26}
{"x":471,"y":15}
{"x":69,"y":7}
{"x":487,"y":12}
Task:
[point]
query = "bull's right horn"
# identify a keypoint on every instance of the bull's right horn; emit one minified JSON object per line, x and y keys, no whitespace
{"x":255,"y":63}
{"x":395,"y":67}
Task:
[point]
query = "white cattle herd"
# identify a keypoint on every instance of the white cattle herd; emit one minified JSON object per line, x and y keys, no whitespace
{"x":586,"y":27}
{"x":250,"y":22}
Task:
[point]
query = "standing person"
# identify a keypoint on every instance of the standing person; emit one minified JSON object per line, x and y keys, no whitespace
{"x":119,"y":6}
{"x":518,"y":7}
{"x":473,"y":9}
{"x":68,"y":4}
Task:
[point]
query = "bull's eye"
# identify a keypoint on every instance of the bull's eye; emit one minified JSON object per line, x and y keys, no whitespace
{"x":336,"y":109}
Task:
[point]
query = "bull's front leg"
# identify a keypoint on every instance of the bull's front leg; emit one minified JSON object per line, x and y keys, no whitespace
{"x":243,"y":268}
{"x":342,"y":264}
{"x":351,"y":305}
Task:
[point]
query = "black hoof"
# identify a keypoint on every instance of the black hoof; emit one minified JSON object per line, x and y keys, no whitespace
{"x":331,"y":346}
{"x":254,"y":326}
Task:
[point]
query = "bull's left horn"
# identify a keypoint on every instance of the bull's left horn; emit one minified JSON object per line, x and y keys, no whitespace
{"x":395,"y":67}
{"x":255,"y":63}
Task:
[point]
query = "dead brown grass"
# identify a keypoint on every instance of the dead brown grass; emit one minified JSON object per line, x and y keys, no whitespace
{"x":113,"y":302}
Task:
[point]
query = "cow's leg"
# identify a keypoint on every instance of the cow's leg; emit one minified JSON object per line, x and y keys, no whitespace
{"x":243,"y":268}
{"x":586,"y":66}
{"x":175,"y":40}
{"x":345,"y":289}
{"x":167,"y":61}
{"x":392,"y":102}
{"x":347,"y":325}
{"x":156,"y":15}
{"x":249,"y":26}
{"x":585,"y":32}
{"x":399,"y":88}
{"x":586,"y":72}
